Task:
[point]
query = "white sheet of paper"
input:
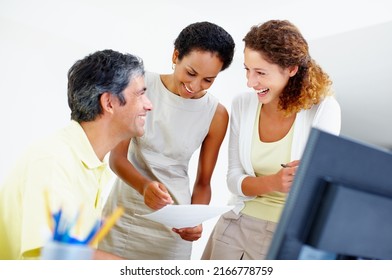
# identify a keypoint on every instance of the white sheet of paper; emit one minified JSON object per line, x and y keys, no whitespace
{"x":181,"y":216}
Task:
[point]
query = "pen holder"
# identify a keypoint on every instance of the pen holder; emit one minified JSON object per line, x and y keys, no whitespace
{"x":62,"y":251}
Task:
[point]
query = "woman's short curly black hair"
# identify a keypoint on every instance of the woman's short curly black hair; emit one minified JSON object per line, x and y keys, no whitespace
{"x":206,"y":36}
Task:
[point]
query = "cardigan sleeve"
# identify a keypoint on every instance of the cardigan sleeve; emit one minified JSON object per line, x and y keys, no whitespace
{"x":328,"y":116}
{"x":236,"y":171}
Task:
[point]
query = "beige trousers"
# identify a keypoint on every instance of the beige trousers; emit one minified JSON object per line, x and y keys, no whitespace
{"x":237,"y":237}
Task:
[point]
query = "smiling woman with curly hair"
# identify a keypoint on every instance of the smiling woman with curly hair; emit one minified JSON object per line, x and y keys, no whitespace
{"x":268,"y":132}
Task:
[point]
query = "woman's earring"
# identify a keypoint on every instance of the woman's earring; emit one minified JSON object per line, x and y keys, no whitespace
{"x":173,"y":66}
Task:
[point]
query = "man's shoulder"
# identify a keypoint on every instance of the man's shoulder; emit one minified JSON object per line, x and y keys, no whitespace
{"x":56,"y":145}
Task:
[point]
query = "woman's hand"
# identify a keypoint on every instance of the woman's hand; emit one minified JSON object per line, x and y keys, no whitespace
{"x":156,"y":195}
{"x":286,"y":176}
{"x":190,"y":233}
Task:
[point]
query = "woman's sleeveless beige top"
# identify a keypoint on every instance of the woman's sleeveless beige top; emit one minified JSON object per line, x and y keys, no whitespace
{"x":174,"y":130}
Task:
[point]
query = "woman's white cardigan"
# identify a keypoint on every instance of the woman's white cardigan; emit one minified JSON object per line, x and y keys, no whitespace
{"x":325,"y":116}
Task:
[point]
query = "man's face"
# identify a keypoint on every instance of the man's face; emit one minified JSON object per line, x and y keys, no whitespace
{"x":130,"y":117}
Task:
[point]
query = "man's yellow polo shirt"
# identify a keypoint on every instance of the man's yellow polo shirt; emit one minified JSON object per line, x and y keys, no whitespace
{"x":64,"y":166}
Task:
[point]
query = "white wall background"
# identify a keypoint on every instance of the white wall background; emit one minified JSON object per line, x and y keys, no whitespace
{"x":41,"y":39}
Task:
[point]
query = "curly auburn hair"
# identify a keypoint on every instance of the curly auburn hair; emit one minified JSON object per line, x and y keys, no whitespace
{"x":281,"y":43}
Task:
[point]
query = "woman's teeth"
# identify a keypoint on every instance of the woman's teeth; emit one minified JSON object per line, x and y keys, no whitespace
{"x":262,"y":91}
{"x":188,"y":89}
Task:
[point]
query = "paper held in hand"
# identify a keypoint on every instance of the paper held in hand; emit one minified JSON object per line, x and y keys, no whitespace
{"x":181,"y":216}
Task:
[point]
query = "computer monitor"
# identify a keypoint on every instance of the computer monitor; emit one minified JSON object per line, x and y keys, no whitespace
{"x":340,"y":203}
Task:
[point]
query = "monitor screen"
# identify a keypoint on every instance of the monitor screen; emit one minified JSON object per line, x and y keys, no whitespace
{"x":340,"y":203}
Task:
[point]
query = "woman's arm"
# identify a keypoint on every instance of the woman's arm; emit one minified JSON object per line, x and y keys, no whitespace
{"x":124,"y":169}
{"x":240,"y":109}
{"x":327,"y":118}
{"x":240,"y":179}
{"x":207,"y":159}
{"x":155,"y":193}
{"x":280,"y":182}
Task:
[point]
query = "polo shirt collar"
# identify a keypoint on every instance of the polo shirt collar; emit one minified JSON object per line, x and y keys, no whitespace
{"x":78,"y":140}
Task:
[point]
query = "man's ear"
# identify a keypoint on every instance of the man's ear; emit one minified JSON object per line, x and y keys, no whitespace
{"x":106,"y":100}
{"x":293,"y":70}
